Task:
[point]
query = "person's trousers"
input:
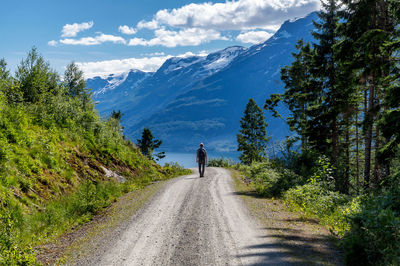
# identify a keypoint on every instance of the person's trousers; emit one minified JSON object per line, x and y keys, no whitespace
{"x":202,"y":167}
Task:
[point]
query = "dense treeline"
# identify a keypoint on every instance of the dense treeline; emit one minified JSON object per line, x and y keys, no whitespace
{"x":343,"y":163}
{"x":343,"y":91}
{"x":56,"y":156}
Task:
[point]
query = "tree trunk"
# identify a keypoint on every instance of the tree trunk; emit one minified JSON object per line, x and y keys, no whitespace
{"x":357,"y":153}
{"x":368,"y":135}
{"x":347,"y":171}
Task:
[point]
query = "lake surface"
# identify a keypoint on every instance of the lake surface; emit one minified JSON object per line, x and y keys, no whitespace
{"x":188,"y":160}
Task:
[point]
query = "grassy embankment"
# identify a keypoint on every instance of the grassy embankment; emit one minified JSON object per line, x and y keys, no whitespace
{"x":52,"y":179}
{"x":56,"y":154}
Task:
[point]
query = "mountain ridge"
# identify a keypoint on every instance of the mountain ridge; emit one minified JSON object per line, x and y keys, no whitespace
{"x":185,"y":103}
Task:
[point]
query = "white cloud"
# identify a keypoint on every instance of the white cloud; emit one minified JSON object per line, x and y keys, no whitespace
{"x":81,"y":41}
{"x":110,"y":38}
{"x":233,"y":15}
{"x":126,"y":30}
{"x":146,"y":64}
{"x":151,"y":25}
{"x":71,"y":30}
{"x":137,"y":41}
{"x":185,"y":37}
{"x":253,"y":37}
{"x":94,"y":40}
{"x":154,"y":54}
{"x":52,"y":43}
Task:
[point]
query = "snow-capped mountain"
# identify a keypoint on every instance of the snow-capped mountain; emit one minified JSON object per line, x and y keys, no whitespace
{"x":111,"y":91}
{"x":138,"y":95}
{"x":201,"y":99}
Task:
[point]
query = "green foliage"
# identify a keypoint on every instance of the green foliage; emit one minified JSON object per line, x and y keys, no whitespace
{"x":12,"y":251}
{"x":74,"y":80}
{"x":342,"y":91}
{"x":269,"y":180}
{"x":220,"y":162}
{"x":316,"y":200}
{"x":343,"y":96}
{"x":116,"y":115}
{"x":252,"y":139}
{"x":53,"y":145}
{"x":374,"y":235}
{"x":148,"y":144}
{"x":324,"y":173}
{"x":174,"y":169}
{"x":36,"y":77}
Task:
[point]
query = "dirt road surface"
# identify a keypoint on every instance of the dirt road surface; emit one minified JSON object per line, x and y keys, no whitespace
{"x":191,"y":221}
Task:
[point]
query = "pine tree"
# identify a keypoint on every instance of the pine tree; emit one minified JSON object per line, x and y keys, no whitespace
{"x":252,"y":139}
{"x":390,"y":119}
{"x":148,"y":144}
{"x":117,"y":115}
{"x":4,"y":73}
{"x":369,"y":26}
{"x":74,"y":80}
{"x":36,"y":78}
{"x":305,"y":99}
{"x":325,"y":58}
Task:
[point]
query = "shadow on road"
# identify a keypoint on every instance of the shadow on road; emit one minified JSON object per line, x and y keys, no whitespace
{"x":290,"y":238}
{"x":252,"y":193}
{"x":286,"y":246}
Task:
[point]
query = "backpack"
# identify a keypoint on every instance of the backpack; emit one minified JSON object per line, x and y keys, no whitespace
{"x":202,"y":154}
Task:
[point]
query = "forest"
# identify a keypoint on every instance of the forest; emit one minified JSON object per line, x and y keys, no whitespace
{"x":342,"y":163}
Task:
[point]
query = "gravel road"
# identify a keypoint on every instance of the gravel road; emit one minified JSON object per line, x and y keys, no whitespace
{"x":191,"y":221}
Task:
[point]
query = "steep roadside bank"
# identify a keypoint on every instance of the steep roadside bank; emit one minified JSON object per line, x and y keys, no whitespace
{"x":60,"y":162}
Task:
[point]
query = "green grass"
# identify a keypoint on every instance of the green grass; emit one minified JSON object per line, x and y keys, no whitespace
{"x":50,"y":171}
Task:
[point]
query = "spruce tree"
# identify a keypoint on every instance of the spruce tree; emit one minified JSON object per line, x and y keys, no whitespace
{"x":148,"y":144}
{"x":36,"y":78}
{"x":252,"y":139}
{"x":325,"y":59}
{"x":117,"y":115}
{"x":390,"y":119}
{"x":368,"y":29}
{"x":75,"y":81}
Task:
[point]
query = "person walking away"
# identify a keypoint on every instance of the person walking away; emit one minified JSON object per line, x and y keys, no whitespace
{"x":201,"y":159}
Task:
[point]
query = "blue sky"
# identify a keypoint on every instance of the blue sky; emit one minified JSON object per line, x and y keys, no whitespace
{"x":105,"y":36}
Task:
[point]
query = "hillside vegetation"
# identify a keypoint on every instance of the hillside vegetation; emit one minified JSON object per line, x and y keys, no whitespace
{"x":342,"y":164}
{"x":60,"y":162}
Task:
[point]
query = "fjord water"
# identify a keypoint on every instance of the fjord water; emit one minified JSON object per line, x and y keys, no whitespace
{"x":188,"y":160}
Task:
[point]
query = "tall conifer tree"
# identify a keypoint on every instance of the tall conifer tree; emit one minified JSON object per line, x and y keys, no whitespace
{"x":252,"y":139}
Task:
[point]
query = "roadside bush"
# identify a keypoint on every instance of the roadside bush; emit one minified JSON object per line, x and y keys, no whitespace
{"x":76,"y":208}
{"x":12,"y":251}
{"x":269,"y":181}
{"x":220,"y":162}
{"x":174,"y":169}
{"x":315,"y":200}
{"x":374,"y":235}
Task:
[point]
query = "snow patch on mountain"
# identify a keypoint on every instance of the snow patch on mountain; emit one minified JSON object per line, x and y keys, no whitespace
{"x":221,"y":59}
{"x":177,"y":63}
{"x":284,"y":34}
{"x":114,"y":80}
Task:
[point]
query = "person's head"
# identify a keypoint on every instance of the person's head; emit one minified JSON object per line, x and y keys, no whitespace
{"x":201,"y":145}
